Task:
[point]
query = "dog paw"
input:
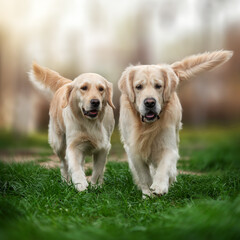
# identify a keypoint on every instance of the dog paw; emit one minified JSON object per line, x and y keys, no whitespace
{"x":79,"y":181}
{"x":146,"y":193}
{"x":96,"y":182}
{"x":66,"y":180}
{"x":97,"y":185}
{"x":159,"y":189}
{"x":81,"y":186}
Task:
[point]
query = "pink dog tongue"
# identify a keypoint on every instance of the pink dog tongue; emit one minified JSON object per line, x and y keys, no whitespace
{"x":150,"y":115}
{"x":93,"y":112}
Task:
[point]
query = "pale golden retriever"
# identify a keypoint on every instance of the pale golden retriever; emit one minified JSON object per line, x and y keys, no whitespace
{"x":81,"y":122}
{"x":150,"y":117}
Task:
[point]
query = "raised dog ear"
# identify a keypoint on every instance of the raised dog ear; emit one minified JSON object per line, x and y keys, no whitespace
{"x":109,"y":93}
{"x":125,"y":84}
{"x":195,"y":64}
{"x":66,"y":95}
{"x":170,"y":83}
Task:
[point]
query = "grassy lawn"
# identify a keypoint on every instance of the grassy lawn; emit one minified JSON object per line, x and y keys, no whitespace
{"x":35,"y":204}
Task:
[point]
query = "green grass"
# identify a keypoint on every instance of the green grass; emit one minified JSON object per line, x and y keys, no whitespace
{"x":214,"y":149}
{"x":12,"y":140}
{"x":34,"y":144}
{"x":36,"y":204}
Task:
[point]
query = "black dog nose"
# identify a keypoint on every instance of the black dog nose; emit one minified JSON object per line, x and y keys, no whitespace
{"x":150,"y":102}
{"x":95,"y":102}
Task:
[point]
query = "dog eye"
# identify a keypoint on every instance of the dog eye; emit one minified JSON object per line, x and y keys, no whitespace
{"x":158,"y":86}
{"x":139,"y":87}
{"x":84,"y":88}
{"x":101,"y":89}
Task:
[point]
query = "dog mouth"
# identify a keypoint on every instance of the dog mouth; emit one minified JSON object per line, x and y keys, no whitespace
{"x":92,"y":113}
{"x":150,"y":116}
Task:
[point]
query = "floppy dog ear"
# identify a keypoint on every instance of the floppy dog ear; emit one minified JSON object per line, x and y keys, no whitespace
{"x":170,"y":84}
{"x":195,"y":64}
{"x":125,"y":83}
{"x":66,"y":95}
{"x":109,"y":93}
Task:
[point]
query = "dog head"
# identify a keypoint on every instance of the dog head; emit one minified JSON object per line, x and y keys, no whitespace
{"x":90,"y":93}
{"x":150,"y":87}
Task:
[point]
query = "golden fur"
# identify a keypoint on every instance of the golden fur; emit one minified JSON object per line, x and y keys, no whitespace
{"x":73,"y":131}
{"x":152,"y":145}
{"x":193,"y":65}
{"x":46,"y":78}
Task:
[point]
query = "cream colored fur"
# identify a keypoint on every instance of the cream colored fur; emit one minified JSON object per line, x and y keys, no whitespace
{"x":73,"y":134}
{"x":152,"y":146}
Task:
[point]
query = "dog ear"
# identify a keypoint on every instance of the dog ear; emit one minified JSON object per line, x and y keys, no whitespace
{"x":195,"y":64}
{"x":109,"y":94}
{"x":66,"y":95}
{"x":125,"y":83}
{"x":170,"y":83}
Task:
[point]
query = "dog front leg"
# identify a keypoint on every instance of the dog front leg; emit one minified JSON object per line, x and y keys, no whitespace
{"x":99,"y":160}
{"x":75,"y":159}
{"x":166,"y":172}
{"x":142,"y":172}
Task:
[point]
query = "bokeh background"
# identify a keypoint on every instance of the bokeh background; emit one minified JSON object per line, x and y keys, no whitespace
{"x":73,"y":37}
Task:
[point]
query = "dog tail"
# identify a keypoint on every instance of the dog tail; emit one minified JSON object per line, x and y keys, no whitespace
{"x":195,"y":64}
{"x":46,"y":80}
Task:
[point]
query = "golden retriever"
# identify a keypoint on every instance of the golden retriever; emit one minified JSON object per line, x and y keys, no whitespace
{"x":81,"y":122}
{"x":150,"y":117}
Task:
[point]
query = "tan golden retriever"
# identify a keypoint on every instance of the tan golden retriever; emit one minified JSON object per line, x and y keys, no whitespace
{"x":150,"y":117}
{"x":81,"y":122}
